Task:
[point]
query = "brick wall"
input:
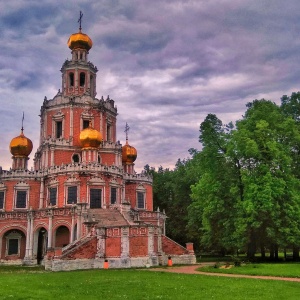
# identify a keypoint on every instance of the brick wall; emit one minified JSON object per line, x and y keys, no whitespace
{"x":113,"y":246}
{"x":87,"y":251}
{"x":138,"y":246}
{"x":170,"y":247}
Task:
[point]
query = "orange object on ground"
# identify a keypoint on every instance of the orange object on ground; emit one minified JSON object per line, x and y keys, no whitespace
{"x":106,"y":264}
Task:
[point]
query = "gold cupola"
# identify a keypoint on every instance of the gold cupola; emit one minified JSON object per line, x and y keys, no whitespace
{"x":129,"y":153}
{"x":80,"y":40}
{"x":90,"y":138}
{"x":20,"y":146}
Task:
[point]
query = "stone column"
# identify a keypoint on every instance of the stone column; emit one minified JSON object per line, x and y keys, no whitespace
{"x":31,"y":238}
{"x":72,"y":225}
{"x":46,"y":157}
{"x":100,"y":243}
{"x":51,"y":156}
{"x":150,"y":241}
{"x":78,"y":224}
{"x":41,"y":203}
{"x":50,"y":233}
{"x":159,"y":241}
{"x":28,"y":235}
{"x":125,"y":242}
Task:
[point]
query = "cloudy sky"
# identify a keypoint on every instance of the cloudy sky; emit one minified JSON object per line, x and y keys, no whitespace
{"x":166,"y":63}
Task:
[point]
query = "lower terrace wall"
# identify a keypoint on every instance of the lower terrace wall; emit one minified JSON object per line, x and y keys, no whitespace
{"x":57,"y":264}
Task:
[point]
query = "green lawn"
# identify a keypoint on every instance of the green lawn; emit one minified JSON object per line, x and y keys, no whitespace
{"x":132,"y":284}
{"x":277,"y":269}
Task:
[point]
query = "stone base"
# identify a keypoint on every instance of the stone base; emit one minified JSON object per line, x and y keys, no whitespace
{"x":116,"y":263}
{"x":29,"y":262}
{"x":15,"y":262}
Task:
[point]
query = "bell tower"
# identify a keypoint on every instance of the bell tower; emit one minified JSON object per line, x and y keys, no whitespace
{"x":78,"y":74}
{"x":76,"y":127}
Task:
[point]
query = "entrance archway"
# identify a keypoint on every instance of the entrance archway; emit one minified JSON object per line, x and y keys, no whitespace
{"x":62,"y":236}
{"x":41,"y":245}
{"x":13,"y":245}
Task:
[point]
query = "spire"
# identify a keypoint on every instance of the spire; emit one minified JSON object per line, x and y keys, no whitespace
{"x":126,"y":131}
{"x":22,"y":128}
{"x":80,"y":20}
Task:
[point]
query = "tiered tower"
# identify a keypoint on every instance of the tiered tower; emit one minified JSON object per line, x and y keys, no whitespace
{"x":83,"y":202}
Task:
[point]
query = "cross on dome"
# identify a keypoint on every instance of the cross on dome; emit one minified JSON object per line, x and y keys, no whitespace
{"x":79,"y":20}
{"x":126,"y":130}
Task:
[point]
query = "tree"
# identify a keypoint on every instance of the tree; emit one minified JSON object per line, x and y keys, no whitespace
{"x":263,"y":144}
{"x":247,"y":196}
{"x":212,"y":212}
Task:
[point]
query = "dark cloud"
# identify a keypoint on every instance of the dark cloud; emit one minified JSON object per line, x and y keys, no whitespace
{"x":167,"y":64}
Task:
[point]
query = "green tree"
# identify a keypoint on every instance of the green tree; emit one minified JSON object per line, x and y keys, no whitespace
{"x":213,"y":210}
{"x":263,"y":143}
{"x":248,"y":193}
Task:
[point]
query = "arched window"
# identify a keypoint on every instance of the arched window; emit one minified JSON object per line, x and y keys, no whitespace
{"x":92,"y":85}
{"x":71,"y":79}
{"x":75,"y":158}
{"x":82,"y":79}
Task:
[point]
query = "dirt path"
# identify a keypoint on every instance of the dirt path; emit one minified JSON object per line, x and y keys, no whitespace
{"x":193,"y":270}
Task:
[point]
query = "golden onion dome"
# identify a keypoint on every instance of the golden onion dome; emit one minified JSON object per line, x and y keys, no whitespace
{"x":20,"y":145}
{"x":90,"y":138}
{"x":129,"y":154}
{"x":80,"y":40}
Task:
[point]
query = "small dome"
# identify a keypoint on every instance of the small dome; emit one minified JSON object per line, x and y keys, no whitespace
{"x":80,"y":41}
{"x":20,"y":145}
{"x":90,"y":138}
{"x":129,"y":154}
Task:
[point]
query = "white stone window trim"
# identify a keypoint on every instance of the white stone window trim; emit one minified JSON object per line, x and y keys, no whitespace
{"x":72,"y":181}
{"x":58,"y":117}
{"x":14,"y":235}
{"x":21,"y":187}
{"x":86,"y":117}
{"x":117,"y":187}
{"x":94,"y":183}
{"x":51,"y":186}
{"x":3,"y":189}
{"x":100,"y":187}
{"x":67,"y":191}
{"x":141,"y":189}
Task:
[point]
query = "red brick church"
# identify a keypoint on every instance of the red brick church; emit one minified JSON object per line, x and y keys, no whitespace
{"x":83,"y":203}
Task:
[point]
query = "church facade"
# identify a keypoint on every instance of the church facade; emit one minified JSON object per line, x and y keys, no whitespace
{"x":82,"y":204}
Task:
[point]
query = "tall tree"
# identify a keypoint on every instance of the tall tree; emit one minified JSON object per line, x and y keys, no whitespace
{"x":263,"y":143}
{"x":212,"y":212}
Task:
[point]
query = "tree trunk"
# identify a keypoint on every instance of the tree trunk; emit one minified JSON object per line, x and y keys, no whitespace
{"x":251,"y":246}
{"x":272,"y":252}
{"x":295,"y":253}
{"x":276,"y":251}
{"x":263,"y":251}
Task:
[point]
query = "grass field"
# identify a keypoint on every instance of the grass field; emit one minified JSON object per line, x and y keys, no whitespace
{"x":33,"y":283}
{"x":278,"y":269}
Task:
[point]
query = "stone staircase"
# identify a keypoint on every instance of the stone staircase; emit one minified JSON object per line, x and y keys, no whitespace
{"x":107,"y":217}
{"x":76,"y":244}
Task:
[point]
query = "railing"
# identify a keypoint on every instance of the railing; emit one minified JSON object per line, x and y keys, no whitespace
{"x":41,"y":213}
{"x":138,"y":177}
{"x":76,"y":167}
